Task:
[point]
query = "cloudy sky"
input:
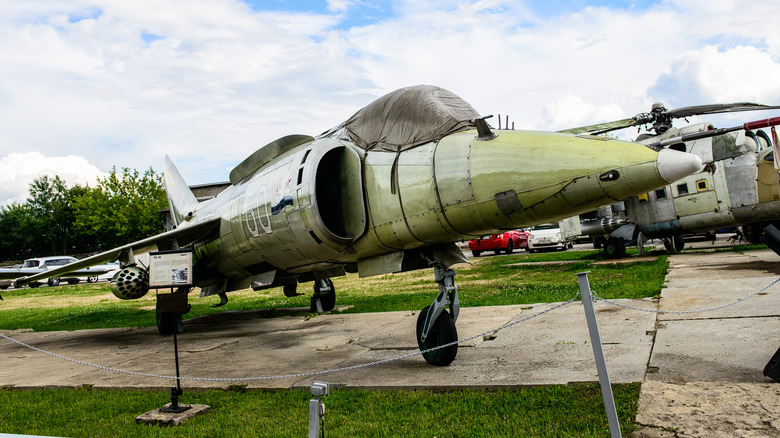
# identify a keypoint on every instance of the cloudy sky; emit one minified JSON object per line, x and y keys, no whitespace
{"x":90,"y":84}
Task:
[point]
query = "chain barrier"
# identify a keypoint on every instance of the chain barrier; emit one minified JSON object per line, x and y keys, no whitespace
{"x":681,"y":312}
{"x":287,"y":376}
{"x":383,"y":361}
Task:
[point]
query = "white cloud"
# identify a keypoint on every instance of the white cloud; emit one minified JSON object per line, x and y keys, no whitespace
{"x":711,"y":75}
{"x":571,"y":111}
{"x":19,"y":169}
{"x":218,"y":79}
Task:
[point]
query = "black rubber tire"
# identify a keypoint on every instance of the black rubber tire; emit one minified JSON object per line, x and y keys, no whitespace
{"x":509,"y":247}
{"x":674,"y":244}
{"x":615,"y":248}
{"x":679,"y":243}
{"x":53,"y":282}
{"x":92,"y":279}
{"x":476,"y":253}
{"x":328,"y":299}
{"x":443,"y":332}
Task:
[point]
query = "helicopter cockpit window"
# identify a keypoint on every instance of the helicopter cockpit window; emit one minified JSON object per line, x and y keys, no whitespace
{"x":660,"y":193}
{"x":769,"y":158}
{"x":682,"y":189}
{"x":701,"y":185}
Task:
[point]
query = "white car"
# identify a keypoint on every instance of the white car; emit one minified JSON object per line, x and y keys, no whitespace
{"x":41,"y":264}
{"x":547,"y":236}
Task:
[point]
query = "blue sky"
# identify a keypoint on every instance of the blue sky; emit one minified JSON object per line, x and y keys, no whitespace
{"x":90,"y":84}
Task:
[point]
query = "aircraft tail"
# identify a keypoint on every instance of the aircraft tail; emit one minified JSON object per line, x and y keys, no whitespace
{"x":181,"y":201}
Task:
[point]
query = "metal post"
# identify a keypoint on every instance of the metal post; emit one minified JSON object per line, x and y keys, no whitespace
{"x":598,"y":354}
{"x":318,"y":390}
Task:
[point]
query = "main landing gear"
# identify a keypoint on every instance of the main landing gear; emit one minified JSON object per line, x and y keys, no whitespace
{"x":324,"y":299}
{"x":436,"y":326}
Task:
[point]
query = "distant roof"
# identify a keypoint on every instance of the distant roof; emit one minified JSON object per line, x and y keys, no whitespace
{"x":407,"y":118}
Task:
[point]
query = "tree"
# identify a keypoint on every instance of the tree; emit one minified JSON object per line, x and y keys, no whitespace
{"x":121,"y":208}
{"x":53,"y":213}
{"x":19,"y":231}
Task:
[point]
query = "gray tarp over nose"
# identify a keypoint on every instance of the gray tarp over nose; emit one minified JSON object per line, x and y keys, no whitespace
{"x":407,"y":118}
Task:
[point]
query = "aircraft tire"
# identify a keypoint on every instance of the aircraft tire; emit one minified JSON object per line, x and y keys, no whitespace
{"x":615,"y":248}
{"x":328,"y":299}
{"x":674,"y":244}
{"x":443,"y":332}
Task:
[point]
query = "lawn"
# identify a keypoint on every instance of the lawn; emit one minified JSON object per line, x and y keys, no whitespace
{"x":559,"y":410}
{"x":490,"y":281}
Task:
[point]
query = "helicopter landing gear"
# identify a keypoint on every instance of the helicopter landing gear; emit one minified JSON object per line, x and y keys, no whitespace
{"x":436,"y":326}
{"x":674,"y":243}
{"x":324,"y":299}
{"x":615,"y":247}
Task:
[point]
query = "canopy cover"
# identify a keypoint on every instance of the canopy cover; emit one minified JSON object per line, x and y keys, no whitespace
{"x":407,"y":118}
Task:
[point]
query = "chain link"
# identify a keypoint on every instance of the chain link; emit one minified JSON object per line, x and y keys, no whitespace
{"x":289,"y":376}
{"x":682,"y":312}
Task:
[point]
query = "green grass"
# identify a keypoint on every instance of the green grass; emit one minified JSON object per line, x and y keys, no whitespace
{"x":550,"y":411}
{"x":568,"y":410}
{"x":489,"y":281}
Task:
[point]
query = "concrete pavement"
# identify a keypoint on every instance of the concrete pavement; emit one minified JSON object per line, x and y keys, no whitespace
{"x":701,"y":371}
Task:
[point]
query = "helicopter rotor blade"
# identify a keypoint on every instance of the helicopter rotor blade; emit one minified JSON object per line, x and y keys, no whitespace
{"x":647,"y":118}
{"x":600,"y":128}
{"x":717,"y":109}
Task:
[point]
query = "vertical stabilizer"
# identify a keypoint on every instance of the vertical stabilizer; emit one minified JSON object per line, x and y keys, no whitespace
{"x":181,"y":201}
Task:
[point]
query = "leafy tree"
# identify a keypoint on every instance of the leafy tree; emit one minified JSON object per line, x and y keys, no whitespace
{"x":19,"y":231}
{"x":53,"y":213}
{"x":121,"y":208}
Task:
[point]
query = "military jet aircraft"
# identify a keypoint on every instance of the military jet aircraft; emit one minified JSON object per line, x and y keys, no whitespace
{"x":738,"y":184}
{"x":389,"y":190}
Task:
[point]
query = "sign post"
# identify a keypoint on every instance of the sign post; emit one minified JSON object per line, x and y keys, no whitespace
{"x":598,"y":354}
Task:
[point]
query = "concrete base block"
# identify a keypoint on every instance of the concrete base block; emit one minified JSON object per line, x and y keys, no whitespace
{"x":171,"y":419}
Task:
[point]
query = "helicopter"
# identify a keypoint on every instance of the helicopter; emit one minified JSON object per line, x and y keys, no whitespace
{"x":736,"y":186}
{"x":392,"y":189}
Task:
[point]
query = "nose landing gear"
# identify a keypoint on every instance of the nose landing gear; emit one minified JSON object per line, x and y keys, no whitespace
{"x":436,"y":326}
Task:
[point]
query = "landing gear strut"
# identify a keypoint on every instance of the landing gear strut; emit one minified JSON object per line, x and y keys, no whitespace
{"x":436,"y":326}
{"x":324,"y":299}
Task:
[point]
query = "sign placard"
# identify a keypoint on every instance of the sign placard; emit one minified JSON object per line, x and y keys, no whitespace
{"x":170,"y":268}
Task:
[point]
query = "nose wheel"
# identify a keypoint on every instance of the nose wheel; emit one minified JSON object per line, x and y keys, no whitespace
{"x":442,"y":332}
{"x":436,"y":326}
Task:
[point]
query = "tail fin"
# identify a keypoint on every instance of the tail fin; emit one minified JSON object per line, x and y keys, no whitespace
{"x":181,"y":201}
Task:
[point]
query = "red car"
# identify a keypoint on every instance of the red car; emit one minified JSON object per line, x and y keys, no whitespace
{"x":507,"y":242}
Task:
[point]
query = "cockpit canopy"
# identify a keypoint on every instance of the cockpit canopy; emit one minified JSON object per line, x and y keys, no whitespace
{"x":406,"y":118}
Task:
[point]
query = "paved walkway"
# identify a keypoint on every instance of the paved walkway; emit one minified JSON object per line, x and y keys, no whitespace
{"x":701,"y":371}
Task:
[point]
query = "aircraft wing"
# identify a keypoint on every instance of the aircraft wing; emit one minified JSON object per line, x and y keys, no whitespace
{"x":183,"y":235}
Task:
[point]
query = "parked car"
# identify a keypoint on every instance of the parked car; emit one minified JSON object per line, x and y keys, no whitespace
{"x":547,"y":236}
{"x":41,"y":264}
{"x":506,"y":242}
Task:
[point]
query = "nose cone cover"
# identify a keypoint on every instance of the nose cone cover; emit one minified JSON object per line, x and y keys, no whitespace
{"x":674,"y":165}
